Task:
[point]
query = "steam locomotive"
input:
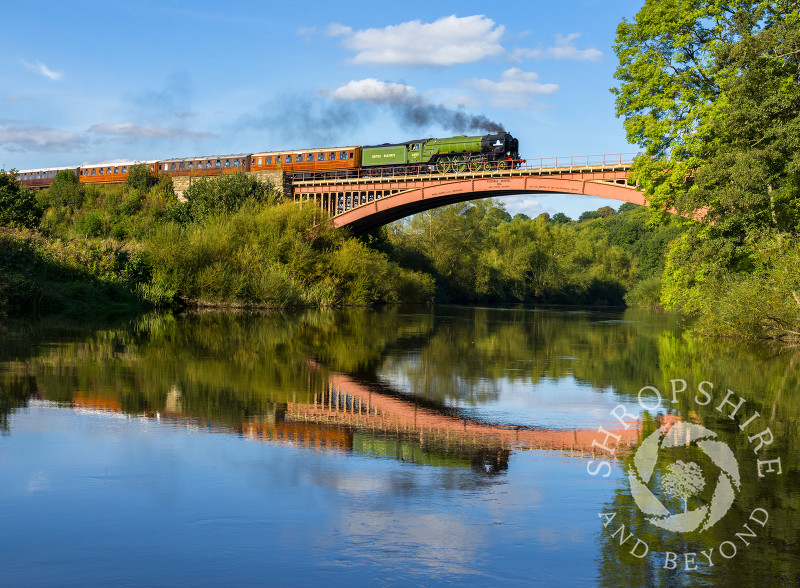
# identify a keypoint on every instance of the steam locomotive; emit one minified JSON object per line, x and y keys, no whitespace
{"x":450,"y":155}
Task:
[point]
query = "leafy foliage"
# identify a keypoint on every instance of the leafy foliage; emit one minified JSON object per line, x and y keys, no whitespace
{"x":18,"y":204}
{"x":140,"y":177}
{"x":711,"y":90}
{"x":476,"y":252}
{"x":224,"y":195}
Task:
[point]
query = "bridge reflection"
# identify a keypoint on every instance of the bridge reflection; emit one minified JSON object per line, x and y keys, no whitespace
{"x":348,"y":415}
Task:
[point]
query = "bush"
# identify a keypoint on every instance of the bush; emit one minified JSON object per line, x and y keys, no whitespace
{"x":65,"y":190}
{"x":18,"y":205}
{"x":91,"y":224}
{"x":225,"y":194}
{"x":140,"y":177}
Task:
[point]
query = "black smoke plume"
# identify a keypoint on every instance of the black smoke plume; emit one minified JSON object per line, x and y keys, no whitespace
{"x":421,"y":115}
{"x":303,"y":122}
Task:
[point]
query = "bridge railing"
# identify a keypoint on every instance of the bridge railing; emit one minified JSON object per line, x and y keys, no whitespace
{"x":580,"y":161}
{"x":573,"y":162}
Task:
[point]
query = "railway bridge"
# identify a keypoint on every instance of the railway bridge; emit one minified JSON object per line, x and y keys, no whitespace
{"x":375,"y":197}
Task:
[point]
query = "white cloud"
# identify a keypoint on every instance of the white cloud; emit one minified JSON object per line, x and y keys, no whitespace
{"x":375,"y":91}
{"x":564,"y":48}
{"x":42,"y":69}
{"x":448,"y":41}
{"x":525,"y":205}
{"x":129,"y":130}
{"x":515,"y":88}
{"x":338,"y":30}
{"x":34,"y":138}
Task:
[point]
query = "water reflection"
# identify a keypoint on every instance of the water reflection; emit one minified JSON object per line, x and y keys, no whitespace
{"x":460,"y":390}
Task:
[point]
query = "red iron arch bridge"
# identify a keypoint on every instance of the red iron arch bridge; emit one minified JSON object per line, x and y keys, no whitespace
{"x":375,"y":197}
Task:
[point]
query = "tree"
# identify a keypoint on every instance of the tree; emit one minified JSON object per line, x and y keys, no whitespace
{"x":560,"y":218}
{"x":141,"y":177}
{"x":588,"y":215}
{"x":606,"y":211}
{"x":65,"y":190}
{"x":18,"y":204}
{"x":710,"y":90}
{"x":683,"y":480}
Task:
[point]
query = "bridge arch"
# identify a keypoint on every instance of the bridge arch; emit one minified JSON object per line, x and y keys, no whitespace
{"x":378,"y":212}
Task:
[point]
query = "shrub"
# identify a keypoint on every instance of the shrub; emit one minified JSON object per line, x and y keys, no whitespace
{"x":140,"y":177}
{"x":18,"y":205}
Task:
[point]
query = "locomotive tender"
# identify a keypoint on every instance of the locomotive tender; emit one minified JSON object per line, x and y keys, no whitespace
{"x":453,"y":154}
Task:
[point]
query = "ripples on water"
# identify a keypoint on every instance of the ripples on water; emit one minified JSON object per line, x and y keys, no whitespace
{"x":367,"y":447}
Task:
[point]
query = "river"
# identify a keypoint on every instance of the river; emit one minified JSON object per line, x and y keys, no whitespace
{"x":396,"y":446}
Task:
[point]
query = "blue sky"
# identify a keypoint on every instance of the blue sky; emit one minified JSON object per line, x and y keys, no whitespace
{"x":90,"y":82}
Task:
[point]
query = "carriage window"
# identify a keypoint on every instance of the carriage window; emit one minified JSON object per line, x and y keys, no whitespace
{"x":172,"y":166}
{"x":236,"y":162}
{"x":93,"y":171}
{"x":218,"y":163}
{"x":227,"y":163}
{"x":268,"y":159}
{"x":288,"y":159}
{"x":320,"y":157}
{"x":124,"y":169}
{"x":116,"y":170}
{"x":181,"y":165}
{"x":331,"y":156}
{"x":343,"y":155}
{"x":101,"y":171}
{"x":277,"y":159}
{"x":191,"y":165}
{"x":310,"y":157}
{"x":299,"y":158}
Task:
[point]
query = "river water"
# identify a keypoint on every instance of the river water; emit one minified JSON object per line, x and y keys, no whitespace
{"x":397,"y":446}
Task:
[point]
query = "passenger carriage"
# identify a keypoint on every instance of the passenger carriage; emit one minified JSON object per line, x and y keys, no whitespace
{"x":41,"y":178}
{"x":110,"y":173}
{"x":213,"y":165}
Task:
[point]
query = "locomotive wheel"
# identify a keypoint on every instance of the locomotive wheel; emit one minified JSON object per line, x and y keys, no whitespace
{"x":501,"y":165}
{"x":475,"y":166}
{"x":460,"y":164}
{"x":443,"y":166}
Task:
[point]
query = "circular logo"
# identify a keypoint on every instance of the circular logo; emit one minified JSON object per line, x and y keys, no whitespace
{"x":683,"y":480}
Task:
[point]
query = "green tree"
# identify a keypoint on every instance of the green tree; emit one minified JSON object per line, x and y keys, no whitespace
{"x":560,"y":218}
{"x":710,"y":90}
{"x":589,"y":215}
{"x":141,"y":177}
{"x":18,"y":204}
{"x":65,"y":190}
{"x":226,"y":194}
